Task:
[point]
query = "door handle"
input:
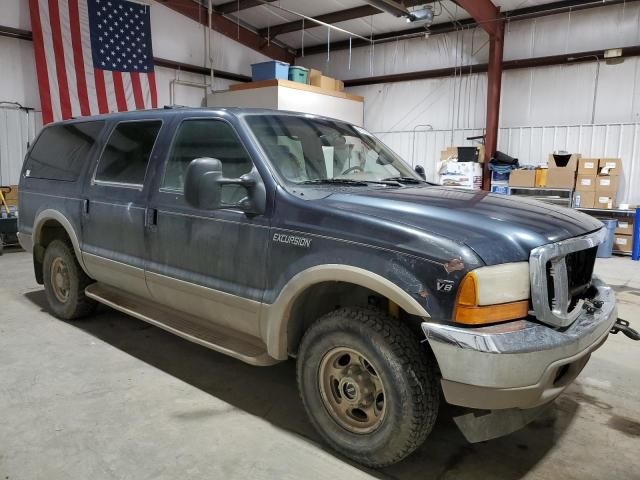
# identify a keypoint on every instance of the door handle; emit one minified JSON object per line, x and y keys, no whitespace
{"x":151,"y":217}
{"x":85,"y":206}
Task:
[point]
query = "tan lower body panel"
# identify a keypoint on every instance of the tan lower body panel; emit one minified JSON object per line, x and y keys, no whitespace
{"x":223,"y":340}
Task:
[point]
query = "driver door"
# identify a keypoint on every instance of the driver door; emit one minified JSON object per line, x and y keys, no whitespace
{"x":209,"y":263}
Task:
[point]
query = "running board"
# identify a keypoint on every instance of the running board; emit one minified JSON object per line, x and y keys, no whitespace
{"x":196,"y":330}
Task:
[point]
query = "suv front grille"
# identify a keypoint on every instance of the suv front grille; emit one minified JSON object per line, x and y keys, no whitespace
{"x":560,"y":275}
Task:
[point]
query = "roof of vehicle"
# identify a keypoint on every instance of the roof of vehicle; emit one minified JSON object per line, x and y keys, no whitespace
{"x":183,"y":110}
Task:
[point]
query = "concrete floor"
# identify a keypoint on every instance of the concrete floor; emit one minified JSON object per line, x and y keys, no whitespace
{"x":112,"y":397}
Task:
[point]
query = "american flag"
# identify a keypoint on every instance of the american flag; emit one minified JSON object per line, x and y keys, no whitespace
{"x":92,"y":56}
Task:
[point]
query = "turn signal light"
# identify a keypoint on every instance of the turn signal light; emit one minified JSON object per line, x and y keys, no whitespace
{"x":491,"y":313}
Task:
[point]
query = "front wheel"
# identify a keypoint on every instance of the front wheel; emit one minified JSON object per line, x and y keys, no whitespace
{"x":367,"y":385}
{"x":65,"y":281}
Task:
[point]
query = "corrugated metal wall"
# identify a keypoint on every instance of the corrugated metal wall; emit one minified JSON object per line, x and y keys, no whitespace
{"x":532,"y":145}
{"x":17,"y":129}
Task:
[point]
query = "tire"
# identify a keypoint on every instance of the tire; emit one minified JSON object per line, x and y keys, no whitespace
{"x":58,"y":256}
{"x":410,"y":388}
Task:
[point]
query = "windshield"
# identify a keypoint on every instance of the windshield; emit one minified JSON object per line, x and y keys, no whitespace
{"x":314,"y":150}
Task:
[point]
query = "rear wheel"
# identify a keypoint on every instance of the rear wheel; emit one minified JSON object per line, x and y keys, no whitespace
{"x":367,"y":385}
{"x":65,"y":281}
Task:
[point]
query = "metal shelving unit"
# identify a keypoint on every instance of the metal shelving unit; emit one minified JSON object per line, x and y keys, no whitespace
{"x":613,"y":212}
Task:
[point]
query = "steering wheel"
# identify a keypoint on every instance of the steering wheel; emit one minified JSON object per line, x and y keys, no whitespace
{"x":357,"y":168}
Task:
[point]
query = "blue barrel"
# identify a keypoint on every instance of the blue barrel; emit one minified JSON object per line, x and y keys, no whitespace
{"x":605,"y":248}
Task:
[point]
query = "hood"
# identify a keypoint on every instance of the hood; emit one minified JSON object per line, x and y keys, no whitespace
{"x":498,"y":228}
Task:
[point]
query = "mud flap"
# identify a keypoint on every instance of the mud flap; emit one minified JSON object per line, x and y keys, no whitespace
{"x":481,"y":425}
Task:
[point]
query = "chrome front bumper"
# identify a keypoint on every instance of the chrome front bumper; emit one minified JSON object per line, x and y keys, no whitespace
{"x":519,"y":364}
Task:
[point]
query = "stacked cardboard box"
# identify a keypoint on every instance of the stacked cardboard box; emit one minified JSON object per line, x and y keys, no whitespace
{"x":522,"y":178}
{"x":562,"y":170}
{"x":623,"y":241}
{"x":585,"y":196}
{"x":609,"y":170}
{"x":328,"y":83}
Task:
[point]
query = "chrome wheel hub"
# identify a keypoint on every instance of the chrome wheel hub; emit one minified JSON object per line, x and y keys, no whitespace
{"x":351,"y":390}
{"x":60,"y":283}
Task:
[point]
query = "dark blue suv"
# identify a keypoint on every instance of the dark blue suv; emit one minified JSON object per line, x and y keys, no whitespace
{"x":268,"y":235}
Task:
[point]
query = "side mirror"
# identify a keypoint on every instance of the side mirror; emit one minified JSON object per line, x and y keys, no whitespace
{"x":204,"y":181}
{"x":420,"y":171}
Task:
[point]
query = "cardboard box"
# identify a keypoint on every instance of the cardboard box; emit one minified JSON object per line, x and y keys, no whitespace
{"x":604,"y":201}
{"x":588,"y":166}
{"x":566,"y":162}
{"x":610,"y":166}
{"x":541,"y":177}
{"x":11,"y":194}
{"x":498,"y":177}
{"x":522,"y":178}
{"x":584,"y":199}
{"x":586,"y":183}
{"x":561,"y":178}
{"x":623,"y":243}
{"x":339,"y":85}
{"x":314,"y":76}
{"x":462,"y":174}
{"x":453,"y":152}
{"x":625,"y":226}
{"x":326,"y":83}
{"x":607,"y":184}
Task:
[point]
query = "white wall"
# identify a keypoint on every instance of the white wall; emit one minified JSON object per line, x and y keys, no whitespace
{"x":541,"y":97}
{"x":175,"y":37}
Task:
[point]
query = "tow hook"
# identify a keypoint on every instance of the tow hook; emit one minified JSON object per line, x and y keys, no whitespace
{"x":623,"y":326}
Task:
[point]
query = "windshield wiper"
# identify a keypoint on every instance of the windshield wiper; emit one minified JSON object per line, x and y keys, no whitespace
{"x":403,"y":180}
{"x":334,"y":181}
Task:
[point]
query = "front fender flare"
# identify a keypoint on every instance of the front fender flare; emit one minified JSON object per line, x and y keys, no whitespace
{"x":275,"y":318}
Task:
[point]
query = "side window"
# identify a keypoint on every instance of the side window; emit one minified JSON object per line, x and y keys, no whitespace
{"x":126,"y":154}
{"x":61,"y":151}
{"x":207,"y":138}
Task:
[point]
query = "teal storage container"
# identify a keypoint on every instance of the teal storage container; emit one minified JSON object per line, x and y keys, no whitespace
{"x":298,"y":74}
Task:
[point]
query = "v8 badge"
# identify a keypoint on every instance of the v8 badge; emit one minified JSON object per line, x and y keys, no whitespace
{"x":445,"y":286}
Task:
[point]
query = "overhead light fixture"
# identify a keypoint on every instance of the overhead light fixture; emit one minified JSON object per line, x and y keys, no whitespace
{"x":613,"y":53}
{"x":613,"y":56}
{"x":424,"y":16}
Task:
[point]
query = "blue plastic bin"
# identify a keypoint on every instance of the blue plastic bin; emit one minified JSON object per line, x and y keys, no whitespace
{"x":605,"y":248}
{"x":500,"y":176}
{"x":271,"y":70}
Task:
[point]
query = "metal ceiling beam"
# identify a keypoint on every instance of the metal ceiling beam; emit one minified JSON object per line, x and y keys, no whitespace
{"x":235,"y":5}
{"x":331,"y":18}
{"x":231,"y":29}
{"x":548,"y":61}
{"x":562,"y":6}
{"x":389,"y":6}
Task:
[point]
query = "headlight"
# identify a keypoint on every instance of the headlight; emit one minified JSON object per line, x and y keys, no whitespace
{"x":493,"y":294}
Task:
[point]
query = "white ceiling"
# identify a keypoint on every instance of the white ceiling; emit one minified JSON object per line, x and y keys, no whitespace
{"x":264,"y":16}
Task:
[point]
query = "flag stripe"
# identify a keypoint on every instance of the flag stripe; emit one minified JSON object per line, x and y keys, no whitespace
{"x":152,"y":89}
{"x":52,"y":75}
{"x":101,"y":91}
{"x":67,"y":52}
{"x":87,"y":57}
{"x":118,"y":85}
{"x":56,"y":35}
{"x":128,"y":90}
{"x":41,"y":64}
{"x":78,"y":57}
{"x":137,"y":90}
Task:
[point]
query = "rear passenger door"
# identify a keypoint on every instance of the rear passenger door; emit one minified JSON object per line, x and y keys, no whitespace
{"x":115,"y":204}
{"x":210,"y":263}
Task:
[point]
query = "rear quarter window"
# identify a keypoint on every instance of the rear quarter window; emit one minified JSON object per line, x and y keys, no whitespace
{"x":61,"y":151}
